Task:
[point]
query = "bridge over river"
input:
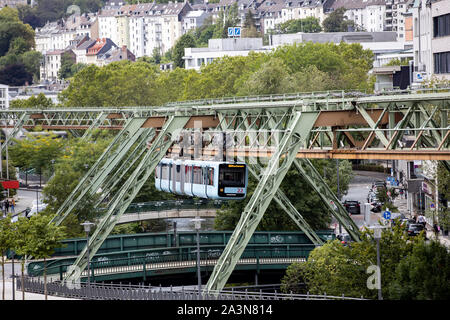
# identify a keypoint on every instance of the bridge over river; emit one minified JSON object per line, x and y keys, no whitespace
{"x":150,"y":255}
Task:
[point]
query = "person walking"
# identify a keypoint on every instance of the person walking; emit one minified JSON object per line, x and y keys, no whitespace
{"x":436,"y":230}
{"x":13,"y":203}
{"x":421,"y":219}
{"x":6,"y":206}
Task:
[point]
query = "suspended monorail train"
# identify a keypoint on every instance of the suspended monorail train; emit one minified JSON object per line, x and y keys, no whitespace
{"x":203,"y":179}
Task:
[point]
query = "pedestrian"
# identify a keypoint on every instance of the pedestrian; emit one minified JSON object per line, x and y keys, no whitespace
{"x":421,"y":219}
{"x":436,"y":230}
{"x":13,"y":203}
{"x":401,"y":193}
{"x":6,"y":206}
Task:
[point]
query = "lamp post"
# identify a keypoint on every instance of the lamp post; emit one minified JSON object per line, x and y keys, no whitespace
{"x":198,"y":224}
{"x":87,"y":228}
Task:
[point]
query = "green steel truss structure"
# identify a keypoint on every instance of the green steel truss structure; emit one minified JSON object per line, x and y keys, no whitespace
{"x":270,"y":132}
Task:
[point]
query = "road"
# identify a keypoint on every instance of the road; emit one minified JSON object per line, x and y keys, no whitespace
{"x":358,"y":189}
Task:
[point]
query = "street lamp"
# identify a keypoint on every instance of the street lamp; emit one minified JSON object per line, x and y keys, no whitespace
{"x":197,"y":225}
{"x":377,"y":235}
{"x":87,"y":228}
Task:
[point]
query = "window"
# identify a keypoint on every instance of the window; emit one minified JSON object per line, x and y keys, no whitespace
{"x":210,"y":176}
{"x":164,"y":171}
{"x":442,"y":62}
{"x":441,"y":26}
{"x":197,"y":175}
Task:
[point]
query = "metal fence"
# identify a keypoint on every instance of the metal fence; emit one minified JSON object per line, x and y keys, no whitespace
{"x":102,"y":291}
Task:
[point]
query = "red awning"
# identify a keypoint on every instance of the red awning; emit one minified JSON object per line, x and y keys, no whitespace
{"x":11,"y":184}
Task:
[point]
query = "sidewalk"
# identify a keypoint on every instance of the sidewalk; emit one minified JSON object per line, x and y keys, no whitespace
{"x":402,"y":206}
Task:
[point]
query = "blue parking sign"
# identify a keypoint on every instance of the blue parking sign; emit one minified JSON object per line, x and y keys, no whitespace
{"x":230,"y":31}
{"x":387,"y":215}
{"x":237,"y":31}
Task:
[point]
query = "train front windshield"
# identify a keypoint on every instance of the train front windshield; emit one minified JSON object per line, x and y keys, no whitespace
{"x":232,"y":180}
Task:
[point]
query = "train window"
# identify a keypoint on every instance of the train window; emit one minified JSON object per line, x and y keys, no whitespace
{"x":188,"y":174}
{"x":198,"y":175}
{"x":177,"y":173}
{"x":158,"y":168}
{"x":210,"y":176}
{"x":164,"y":171}
{"x":232,"y":176}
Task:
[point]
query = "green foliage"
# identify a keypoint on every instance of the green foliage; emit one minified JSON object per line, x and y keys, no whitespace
{"x":43,"y":237}
{"x":36,"y":151}
{"x":307,"y":25}
{"x":293,"y":68}
{"x":249,"y":30}
{"x":120,"y":83}
{"x":387,"y":200}
{"x":226,"y":18}
{"x":423,"y":275}
{"x":76,"y":159}
{"x":336,"y":22}
{"x":185,"y":41}
{"x":309,"y":204}
{"x":337,"y":269}
{"x":18,"y":64}
{"x":67,"y":68}
{"x":398,"y":62}
{"x":40,"y":101}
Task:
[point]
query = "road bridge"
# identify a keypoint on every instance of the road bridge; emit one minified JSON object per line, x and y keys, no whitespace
{"x":285,"y":130}
{"x":156,"y":254}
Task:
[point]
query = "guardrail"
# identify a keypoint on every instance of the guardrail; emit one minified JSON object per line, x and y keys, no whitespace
{"x":174,"y":204}
{"x":102,"y":291}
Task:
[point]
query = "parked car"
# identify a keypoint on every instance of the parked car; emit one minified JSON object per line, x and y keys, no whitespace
{"x":376,"y":206}
{"x":415,"y":228}
{"x":407,"y":222}
{"x":352,"y":206}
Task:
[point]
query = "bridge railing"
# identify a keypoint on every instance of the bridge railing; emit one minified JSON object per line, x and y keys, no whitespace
{"x":174,"y":204}
{"x":127,"y":242}
{"x":103,"y":291}
{"x":167,"y":258}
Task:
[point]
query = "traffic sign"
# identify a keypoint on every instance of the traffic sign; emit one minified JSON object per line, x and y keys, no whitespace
{"x":387,"y":215}
{"x":234,"y":31}
{"x":432,"y":205}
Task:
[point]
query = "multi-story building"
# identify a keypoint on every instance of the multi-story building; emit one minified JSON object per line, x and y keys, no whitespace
{"x":368,"y":15}
{"x":395,"y":19}
{"x":58,"y":35}
{"x":194,"y":19}
{"x":431,"y":27}
{"x":4,"y":97}
{"x":51,"y":64}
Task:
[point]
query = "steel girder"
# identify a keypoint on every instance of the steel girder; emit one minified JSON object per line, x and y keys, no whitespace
{"x":310,"y":174}
{"x":122,"y":198}
{"x":103,"y":166}
{"x":283,"y":201}
{"x":297,"y":129}
{"x":255,"y":169}
{"x":17,"y":126}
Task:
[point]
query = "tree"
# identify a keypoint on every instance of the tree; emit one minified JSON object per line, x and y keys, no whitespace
{"x":74,"y":161}
{"x":337,"y":269}
{"x":43,"y":238}
{"x":423,"y":275}
{"x":309,"y":204}
{"x":67,"y":63}
{"x":226,"y":18}
{"x":21,"y":239}
{"x":6,"y":243}
{"x":249,"y":30}
{"x":120,"y":83}
{"x":185,"y":41}
{"x":40,"y":101}
{"x":15,"y":75}
{"x":11,"y":28}
{"x":337,"y":22}
{"x":307,"y":25}
{"x":36,"y":151}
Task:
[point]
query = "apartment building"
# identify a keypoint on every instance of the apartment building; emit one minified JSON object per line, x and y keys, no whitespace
{"x":431,"y":28}
{"x":58,"y":35}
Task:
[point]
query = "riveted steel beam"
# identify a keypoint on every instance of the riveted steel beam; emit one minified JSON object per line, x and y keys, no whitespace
{"x":297,"y":129}
{"x":125,"y":195}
